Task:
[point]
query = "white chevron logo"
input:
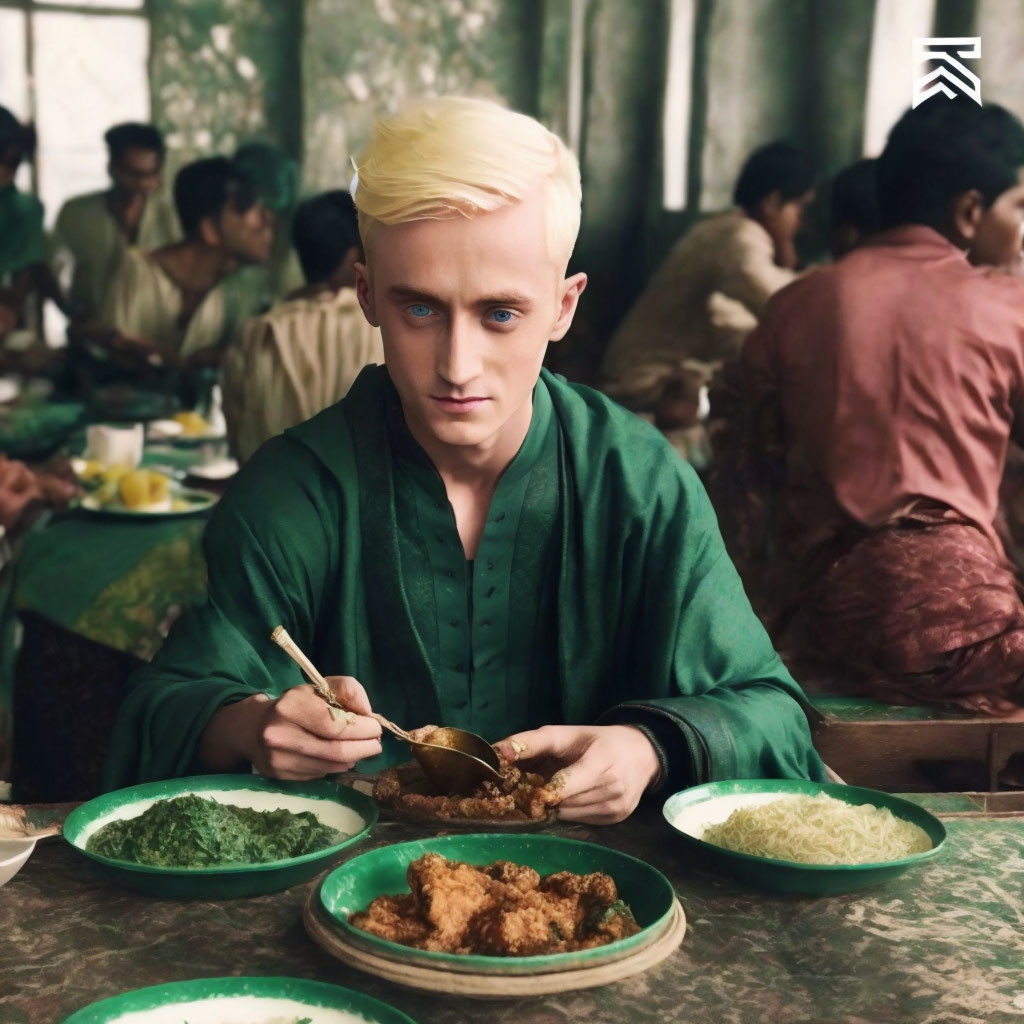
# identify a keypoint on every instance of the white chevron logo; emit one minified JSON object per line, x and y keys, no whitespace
{"x":947,"y":50}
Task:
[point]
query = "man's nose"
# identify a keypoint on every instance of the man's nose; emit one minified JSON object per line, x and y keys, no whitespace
{"x":458,"y":357}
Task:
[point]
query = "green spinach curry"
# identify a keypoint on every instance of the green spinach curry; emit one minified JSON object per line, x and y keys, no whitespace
{"x":195,"y":832}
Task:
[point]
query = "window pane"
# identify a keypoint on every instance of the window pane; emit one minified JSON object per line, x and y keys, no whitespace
{"x":90,"y":74}
{"x":891,"y":71}
{"x":13,"y":79}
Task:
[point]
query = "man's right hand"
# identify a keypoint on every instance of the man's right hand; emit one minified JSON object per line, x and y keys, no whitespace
{"x":293,"y":736}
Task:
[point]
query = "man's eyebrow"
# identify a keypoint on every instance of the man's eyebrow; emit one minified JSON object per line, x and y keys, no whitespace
{"x":508,"y":299}
{"x":404,"y":291}
{"x":407,"y":293}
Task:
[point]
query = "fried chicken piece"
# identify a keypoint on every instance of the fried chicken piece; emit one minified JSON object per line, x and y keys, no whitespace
{"x":449,"y":894}
{"x":519,"y":876}
{"x":519,"y":796}
{"x":534,"y":923}
{"x":394,"y":918}
{"x":503,"y":909}
{"x":595,"y":888}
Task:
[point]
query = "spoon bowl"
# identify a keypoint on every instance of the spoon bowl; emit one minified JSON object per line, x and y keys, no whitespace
{"x":456,"y":761}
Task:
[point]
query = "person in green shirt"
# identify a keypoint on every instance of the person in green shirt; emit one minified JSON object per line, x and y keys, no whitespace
{"x":22,"y":240}
{"x":467,"y":539}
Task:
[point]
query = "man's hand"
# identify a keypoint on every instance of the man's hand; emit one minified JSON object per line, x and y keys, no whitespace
{"x":18,"y":489}
{"x":602,"y":770}
{"x":294,"y":736}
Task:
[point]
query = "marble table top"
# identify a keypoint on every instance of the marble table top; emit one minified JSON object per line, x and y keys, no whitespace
{"x":943,"y":944}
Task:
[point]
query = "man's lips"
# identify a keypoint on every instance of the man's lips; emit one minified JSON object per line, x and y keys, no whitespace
{"x":447,"y":402}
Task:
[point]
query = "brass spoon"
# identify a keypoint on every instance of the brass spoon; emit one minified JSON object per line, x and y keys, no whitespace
{"x":454,"y":761}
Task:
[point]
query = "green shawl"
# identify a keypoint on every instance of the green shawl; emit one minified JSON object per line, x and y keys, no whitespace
{"x":654,"y":628}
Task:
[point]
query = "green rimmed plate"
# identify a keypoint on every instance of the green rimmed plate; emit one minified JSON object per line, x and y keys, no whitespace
{"x":248,"y":1000}
{"x":185,"y":501}
{"x":339,"y":807}
{"x":354,"y":885}
{"x":693,"y":810}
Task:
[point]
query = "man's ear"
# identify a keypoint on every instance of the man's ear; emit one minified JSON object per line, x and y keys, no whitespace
{"x":769,"y":206}
{"x":965,"y":213}
{"x":570,"y":291}
{"x":365,"y":294}
{"x":209,"y":233}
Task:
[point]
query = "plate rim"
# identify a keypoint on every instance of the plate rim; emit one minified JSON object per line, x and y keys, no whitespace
{"x":89,"y":503}
{"x":140,"y":999}
{"x":475,"y":963}
{"x":804,"y":787}
{"x":323,"y":789}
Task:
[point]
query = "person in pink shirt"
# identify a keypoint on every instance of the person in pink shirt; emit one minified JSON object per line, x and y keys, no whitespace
{"x":882,"y":394}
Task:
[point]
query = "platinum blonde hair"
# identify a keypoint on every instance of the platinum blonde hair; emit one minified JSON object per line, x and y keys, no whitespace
{"x":456,"y":156}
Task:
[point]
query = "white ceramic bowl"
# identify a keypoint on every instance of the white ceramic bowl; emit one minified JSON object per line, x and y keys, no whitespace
{"x":13,"y":853}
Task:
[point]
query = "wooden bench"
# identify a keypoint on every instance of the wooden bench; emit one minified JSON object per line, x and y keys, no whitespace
{"x":883,"y":746}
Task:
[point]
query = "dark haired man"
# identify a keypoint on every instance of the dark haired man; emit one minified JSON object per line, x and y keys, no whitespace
{"x":304,"y":354}
{"x":894,"y":380}
{"x":707,"y":295}
{"x":176,"y":304}
{"x":93,"y":231}
{"x":854,"y":207}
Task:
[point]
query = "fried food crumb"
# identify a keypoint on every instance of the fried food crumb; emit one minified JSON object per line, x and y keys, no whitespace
{"x":520,"y":796}
{"x":503,"y":909}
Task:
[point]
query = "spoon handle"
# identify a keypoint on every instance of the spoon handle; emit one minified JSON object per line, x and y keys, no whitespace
{"x":323,"y":691}
{"x":281,"y":637}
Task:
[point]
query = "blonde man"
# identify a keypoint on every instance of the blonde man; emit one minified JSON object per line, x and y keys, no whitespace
{"x":467,"y":539}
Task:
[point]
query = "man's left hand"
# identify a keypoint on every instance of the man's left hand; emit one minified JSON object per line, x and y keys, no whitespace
{"x":602,"y":770}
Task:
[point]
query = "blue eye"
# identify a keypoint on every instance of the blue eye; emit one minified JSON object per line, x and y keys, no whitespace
{"x":419,"y":310}
{"x":503,"y":316}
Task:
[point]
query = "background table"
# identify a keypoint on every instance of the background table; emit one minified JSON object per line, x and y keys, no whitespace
{"x":97,"y":595}
{"x":941,"y":945}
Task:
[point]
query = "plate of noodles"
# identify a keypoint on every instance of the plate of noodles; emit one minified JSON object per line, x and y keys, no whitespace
{"x":788,"y":835}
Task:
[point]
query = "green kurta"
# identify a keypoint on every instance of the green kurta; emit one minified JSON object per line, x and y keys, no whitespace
{"x":22,"y":240}
{"x":601,"y":592}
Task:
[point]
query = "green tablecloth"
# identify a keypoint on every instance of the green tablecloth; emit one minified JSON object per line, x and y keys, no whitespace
{"x":119,"y":581}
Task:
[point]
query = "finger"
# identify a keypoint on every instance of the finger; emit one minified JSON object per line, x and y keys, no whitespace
{"x":285,"y":740}
{"x":548,"y":741}
{"x":598,"y":794}
{"x":579,"y":778}
{"x":298,"y":766}
{"x":301,"y":706}
{"x":595,"y":814}
{"x":350,"y":693}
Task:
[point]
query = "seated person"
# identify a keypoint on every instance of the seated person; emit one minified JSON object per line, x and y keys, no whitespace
{"x":276,"y":177}
{"x":465,"y":538}
{"x":176,"y":306}
{"x":305,"y":353}
{"x":23,"y":269}
{"x":890,"y":384}
{"x":22,"y":488}
{"x":854,"y":207}
{"x":94,"y":231}
{"x":711,"y":289}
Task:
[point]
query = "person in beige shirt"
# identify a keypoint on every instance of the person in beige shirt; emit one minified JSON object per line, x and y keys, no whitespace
{"x":94,"y":231}
{"x":179,"y":305}
{"x":304,"y":354}
{"x":709,"y":293}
